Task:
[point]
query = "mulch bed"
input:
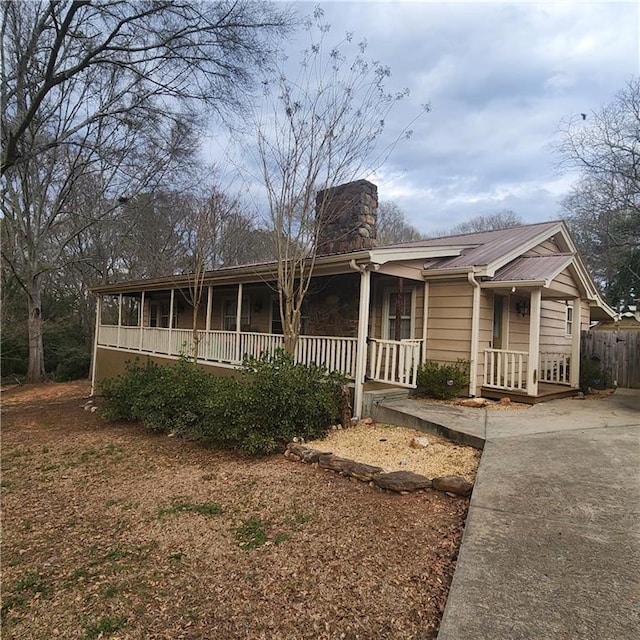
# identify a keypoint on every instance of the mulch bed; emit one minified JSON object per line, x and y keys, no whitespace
{"x":111,"y":531}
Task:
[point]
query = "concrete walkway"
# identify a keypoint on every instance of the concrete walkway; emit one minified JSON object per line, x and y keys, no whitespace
{"x":551,"y":548}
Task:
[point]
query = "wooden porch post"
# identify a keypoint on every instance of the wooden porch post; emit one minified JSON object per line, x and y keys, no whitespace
{"x":238,"y":321}
{"x":119,"y":317}
{"x":170,"y":349}
{"x":141,"y":320}
{"x":475,"y":335}
{"x":534,"y":342}
{"x":361,"y":344}
{"x":209,"y":307}
{"x":574,"y":371}
{"x":95,"y":343}
{"x":425,"y":318}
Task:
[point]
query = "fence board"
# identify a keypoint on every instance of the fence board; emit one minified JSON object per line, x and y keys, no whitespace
{"x":619,"y":353}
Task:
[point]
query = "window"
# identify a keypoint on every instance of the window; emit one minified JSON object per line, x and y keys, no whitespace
{"x":569,"y":320}
{"x":230,"y":311}
{"x":405,"y":319}
{"x":159,"y":314}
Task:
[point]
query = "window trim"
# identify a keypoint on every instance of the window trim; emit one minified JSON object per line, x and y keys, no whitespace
{"x":246,"y":308}
{"x":569,"y":320}
{"x":386,"y":308}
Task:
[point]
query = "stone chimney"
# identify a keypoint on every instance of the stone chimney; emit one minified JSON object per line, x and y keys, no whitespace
{"x":347,"y":216}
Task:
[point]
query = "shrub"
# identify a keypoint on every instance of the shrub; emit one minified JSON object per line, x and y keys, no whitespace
{"x":73,"y":365}
{"x":166,"y":398}
{"x":442,"y":381}
{"x":285,"y":399}
{"x":592,"y":375}
{"x":274,"y":401}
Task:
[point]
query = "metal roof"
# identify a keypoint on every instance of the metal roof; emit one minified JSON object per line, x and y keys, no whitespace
{"x":485,"y":247}
{"x":533,"y":268}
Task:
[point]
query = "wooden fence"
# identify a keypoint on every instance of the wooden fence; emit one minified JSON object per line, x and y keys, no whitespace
{"x":618,"y":353}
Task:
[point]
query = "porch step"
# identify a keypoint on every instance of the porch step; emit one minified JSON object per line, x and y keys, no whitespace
{"x":546,"y":392}
{"x":374,"y":397}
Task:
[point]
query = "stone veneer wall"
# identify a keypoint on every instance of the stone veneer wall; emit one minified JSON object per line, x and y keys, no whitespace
{"x":347,"y":215}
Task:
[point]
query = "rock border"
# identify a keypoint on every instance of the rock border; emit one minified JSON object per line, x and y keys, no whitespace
{"x":398,"y":481}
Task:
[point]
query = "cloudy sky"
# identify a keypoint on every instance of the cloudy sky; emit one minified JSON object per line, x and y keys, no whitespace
{"x":500,"y":77}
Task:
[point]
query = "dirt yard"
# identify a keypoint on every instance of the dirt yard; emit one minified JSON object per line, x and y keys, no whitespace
{"x":112,"y":532}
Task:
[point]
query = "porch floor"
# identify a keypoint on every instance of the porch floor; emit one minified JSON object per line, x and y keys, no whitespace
{"x":546,"y":391}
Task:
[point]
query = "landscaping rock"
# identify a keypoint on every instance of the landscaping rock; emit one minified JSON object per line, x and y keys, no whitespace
{"x":367,"y":421}
{"x":419,"y":443}
{"x":305,"y":453}
{"x":453,"y":484}
{"x":401,"y":481}
{"x":361,"y":471}
{"x":505,"y":400}
{"x":475,"y":402}
{"x":334,"y":463}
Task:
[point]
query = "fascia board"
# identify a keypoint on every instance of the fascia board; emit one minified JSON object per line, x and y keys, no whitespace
{"x":504,"y":284}
{"x":382,"y":256}
{"x":442,"y":274}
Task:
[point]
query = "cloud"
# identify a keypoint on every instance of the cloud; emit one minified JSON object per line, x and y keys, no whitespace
{"x":499,"y":78}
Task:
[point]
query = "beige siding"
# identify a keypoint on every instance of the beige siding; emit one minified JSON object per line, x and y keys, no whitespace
{"x":565,"y":283}
{"x":449,"y":322}
{"x":546,"y":248}
{"x":585,"y":315}
{"x":553,"y":327}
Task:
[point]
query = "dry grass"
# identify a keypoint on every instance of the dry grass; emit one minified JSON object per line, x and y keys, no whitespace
{"x":111,"y":532}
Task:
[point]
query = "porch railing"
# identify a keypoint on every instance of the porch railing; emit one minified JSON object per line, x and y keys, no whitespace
{"x":555,"y":367}
{"x":505,"y":369}
{"x":230,"y":347}
{"x":395,"y":361}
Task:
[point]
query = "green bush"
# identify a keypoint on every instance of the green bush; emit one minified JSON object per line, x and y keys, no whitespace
{"x":592,"y":376}
{"x":284,"y":399}
{"x":274,"y":400}
{"x":73,"y":365}
{"x":442,"y":381}
{"x":166,"y":398}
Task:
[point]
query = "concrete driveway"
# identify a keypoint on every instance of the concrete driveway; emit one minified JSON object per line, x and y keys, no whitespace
{"x":551,"y":548}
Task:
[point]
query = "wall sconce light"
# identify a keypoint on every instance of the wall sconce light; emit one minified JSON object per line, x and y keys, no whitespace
{"x":257,"y":306}
{"x":522,"y":308}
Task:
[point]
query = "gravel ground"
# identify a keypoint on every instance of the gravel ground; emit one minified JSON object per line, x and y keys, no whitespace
{"x":389,"y":447}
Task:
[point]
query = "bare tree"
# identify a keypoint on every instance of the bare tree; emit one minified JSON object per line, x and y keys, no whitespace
{"x":490,"y":222}
{"x":107,"y":93}
{"x":603,"y":209}
{"x":165,"y":57}
{"x":321,"y":129}
{"x":393,"y":226}
{"x":204,"y":234}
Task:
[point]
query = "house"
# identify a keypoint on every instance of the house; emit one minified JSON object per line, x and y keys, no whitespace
{"x":511,"y":302}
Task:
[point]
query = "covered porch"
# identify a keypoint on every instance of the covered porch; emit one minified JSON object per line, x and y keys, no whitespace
{"x":534,"y":352}
{"x":347,"y":326}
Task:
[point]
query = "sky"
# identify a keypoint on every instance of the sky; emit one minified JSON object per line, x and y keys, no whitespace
{"x":500,"y":78}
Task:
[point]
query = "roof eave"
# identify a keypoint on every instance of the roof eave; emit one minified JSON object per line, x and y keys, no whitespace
{"x":229,"y":275}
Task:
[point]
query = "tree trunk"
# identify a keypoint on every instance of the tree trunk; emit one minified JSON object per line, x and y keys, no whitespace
{"x":35,"y":372}
{"x":291,"y":327}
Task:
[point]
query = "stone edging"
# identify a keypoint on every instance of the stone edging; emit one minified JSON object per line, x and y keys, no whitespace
{"x":398,"y":481}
